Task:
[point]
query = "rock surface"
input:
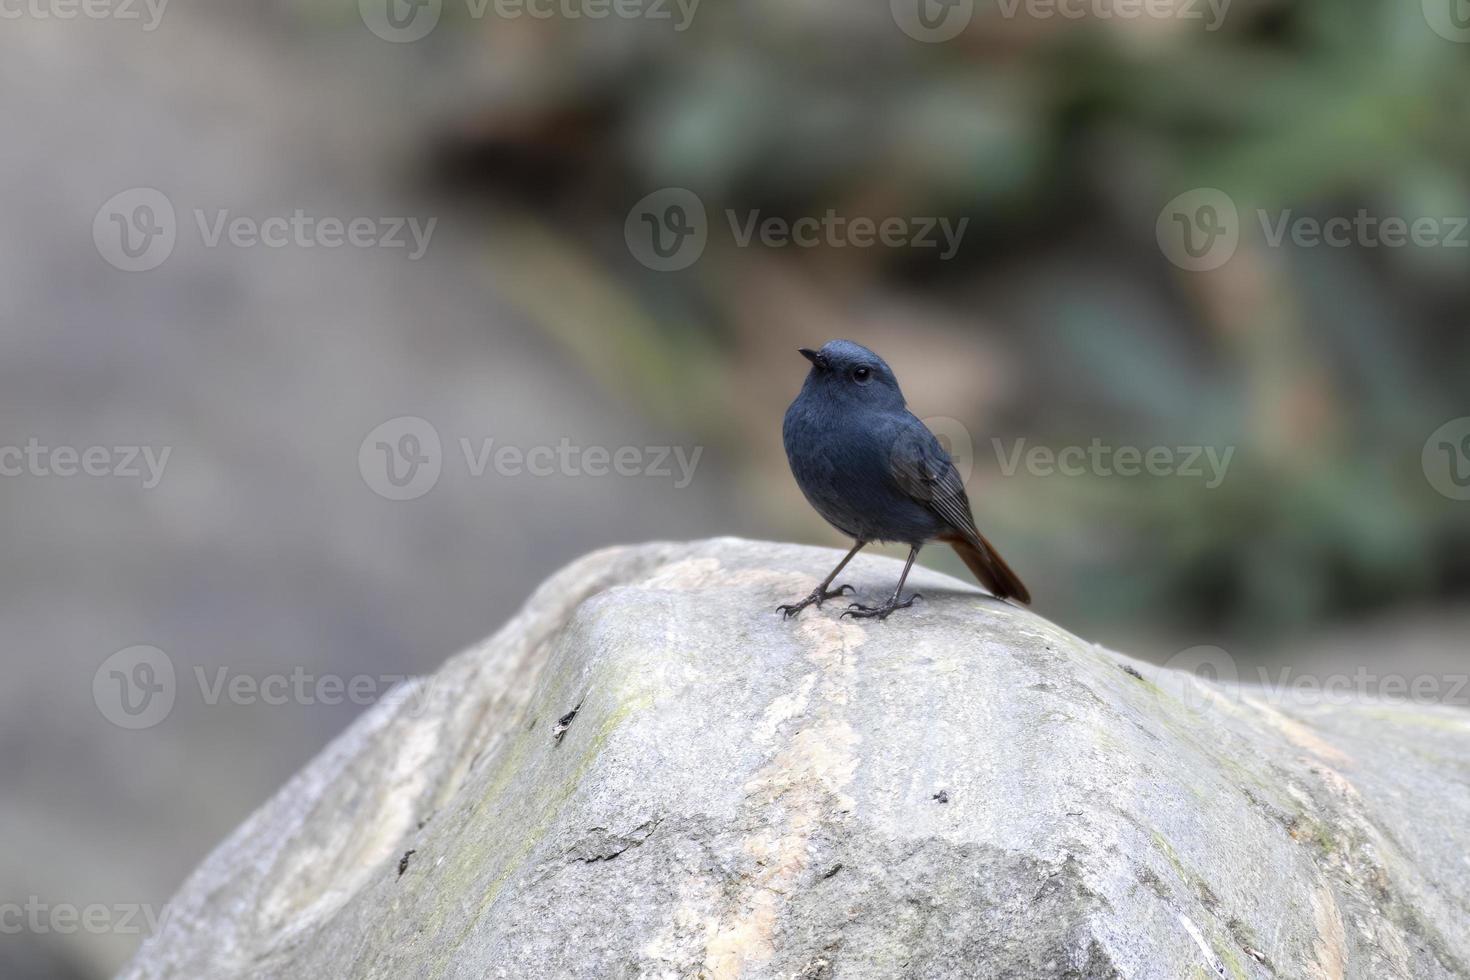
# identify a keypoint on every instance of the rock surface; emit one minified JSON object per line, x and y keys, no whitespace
{"x":648,"y":773}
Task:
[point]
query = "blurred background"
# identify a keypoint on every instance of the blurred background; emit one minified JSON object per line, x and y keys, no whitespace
{"x":1130,"y":191}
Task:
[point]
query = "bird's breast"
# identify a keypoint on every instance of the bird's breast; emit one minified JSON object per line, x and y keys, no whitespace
{"x":842,"y":463}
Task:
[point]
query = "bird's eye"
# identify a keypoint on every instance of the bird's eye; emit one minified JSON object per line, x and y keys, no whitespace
{"x":862,"y":375}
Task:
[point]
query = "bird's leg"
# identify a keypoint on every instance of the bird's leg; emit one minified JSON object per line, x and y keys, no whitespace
{"x":881,"y":612}
{"x":820,"y":594}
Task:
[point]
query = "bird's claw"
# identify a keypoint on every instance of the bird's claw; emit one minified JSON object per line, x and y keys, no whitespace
{"x":816,"y":598}
{"x":880,"y":613}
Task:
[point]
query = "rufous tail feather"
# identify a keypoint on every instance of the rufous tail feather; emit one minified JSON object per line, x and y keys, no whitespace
{"x":990,"y":569}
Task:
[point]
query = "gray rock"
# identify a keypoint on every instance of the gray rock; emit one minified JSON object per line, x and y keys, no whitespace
{"x":648,"y":773}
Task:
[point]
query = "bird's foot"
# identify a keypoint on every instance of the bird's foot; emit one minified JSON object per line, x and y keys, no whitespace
{"x":882,"y":612}
{"x":816,"y":598}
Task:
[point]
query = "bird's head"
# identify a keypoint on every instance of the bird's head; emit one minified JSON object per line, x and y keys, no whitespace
{"x":849,"y":372}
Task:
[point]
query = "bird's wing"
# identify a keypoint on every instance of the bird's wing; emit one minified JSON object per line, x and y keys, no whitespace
{"x":925,"y":472}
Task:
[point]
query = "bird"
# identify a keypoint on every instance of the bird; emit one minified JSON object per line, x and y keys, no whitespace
{"x":876,"y":473}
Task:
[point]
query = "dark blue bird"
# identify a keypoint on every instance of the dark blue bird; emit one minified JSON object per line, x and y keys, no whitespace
{"x":876,"y":473}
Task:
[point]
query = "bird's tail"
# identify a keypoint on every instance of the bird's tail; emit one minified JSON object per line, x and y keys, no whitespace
{"x":990,"y":568}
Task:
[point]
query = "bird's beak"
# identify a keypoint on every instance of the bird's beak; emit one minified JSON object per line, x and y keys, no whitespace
{"x":817,"y":359}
